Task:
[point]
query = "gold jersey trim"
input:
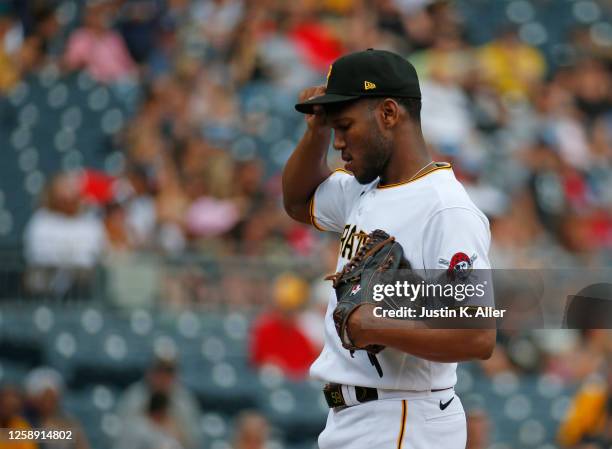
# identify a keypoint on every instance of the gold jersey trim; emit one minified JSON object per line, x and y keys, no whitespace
{"x":343,"y":171}
{"x":436,"y":167}
{"x":313,"y":220}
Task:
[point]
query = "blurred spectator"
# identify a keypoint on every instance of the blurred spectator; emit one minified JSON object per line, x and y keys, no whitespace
{"x":62,"y":242}
{"x":11,"y":417}
{"x":9,"y":47}
{"x":312,"y":320}
{"x":119,"y":234}
{"x":251,"y":431}
{"x":478,"y":429}
{"x":588,"y":422}
{"x":98,"y":49}
{"x":28,"y":34}
{"x":511,"y":66}
{"x":43,"y":43}
{"x":446,"y":115}
{"x":592,"y":90}
{"x":215,"y":21}
{"x":583,"y":356}
{"x":44,"y":388}
{"x":140,"y":209}
{"x":174,"y":404}
{"x":61,"y":233}
{"x":277,"y":338}
{"x":139,"y":23}
{"x":154,"y":430}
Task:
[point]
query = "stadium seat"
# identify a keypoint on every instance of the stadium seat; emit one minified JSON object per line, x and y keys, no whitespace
{"x":28,"y":115}
{"x":110,"y":424}
{"x":113,"y":375}
{"x":219,"y":444}
{"x":21,"y":137}
{"x":58,"y":96}
{"x":517,"y":407}
{"x":214,"y":425}
{"x":85,"y":82}
{"x":12,"y":372}
{"x":298,"y":408}
{"x":19,"y":94}
{"x":465,"y":381}
{"x":103,"y":398}
{"x":112,"y":121}
{"x":559,"y":407}
{"x":92,"y":321}
{"x":213,"y":349}
{"x":28,"y":159}
{"x":72,"y":117}
{"x":222,"y":387}
{"x":505,"y":384}
{"x":531,"y":433}
{"x":98,"y":99}
{"x":44,"y":319}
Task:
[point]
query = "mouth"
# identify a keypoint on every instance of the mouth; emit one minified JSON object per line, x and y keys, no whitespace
{"x":348,"y":159}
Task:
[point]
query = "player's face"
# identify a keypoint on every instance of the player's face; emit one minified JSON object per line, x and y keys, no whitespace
{"x":365,"y":150}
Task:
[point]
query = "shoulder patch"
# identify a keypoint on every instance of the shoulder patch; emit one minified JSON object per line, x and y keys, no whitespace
{"x":459,"y":266}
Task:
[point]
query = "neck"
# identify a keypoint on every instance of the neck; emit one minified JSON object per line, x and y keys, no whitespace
{"x":409,"y":156}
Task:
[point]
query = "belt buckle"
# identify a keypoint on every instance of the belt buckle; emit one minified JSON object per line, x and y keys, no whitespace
{"x":333,"y":395}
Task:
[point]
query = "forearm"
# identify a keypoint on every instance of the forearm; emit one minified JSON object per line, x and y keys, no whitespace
{"x":304,"y":171}
{"x":416,"y":338}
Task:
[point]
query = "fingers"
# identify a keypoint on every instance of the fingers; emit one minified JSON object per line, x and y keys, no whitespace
{"x":317,"y":118}
{"x":311,"y":92}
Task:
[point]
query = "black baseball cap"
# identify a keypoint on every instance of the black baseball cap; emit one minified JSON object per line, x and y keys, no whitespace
{"x":369,"y":73}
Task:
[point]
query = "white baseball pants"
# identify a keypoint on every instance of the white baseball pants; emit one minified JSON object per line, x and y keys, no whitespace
{"x":413,"y":420}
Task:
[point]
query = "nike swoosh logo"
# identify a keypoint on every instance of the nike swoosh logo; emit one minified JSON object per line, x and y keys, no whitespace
{"x":446,"y":404}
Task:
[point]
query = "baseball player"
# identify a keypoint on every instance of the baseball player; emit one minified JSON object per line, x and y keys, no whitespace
{"x":372,"y":104}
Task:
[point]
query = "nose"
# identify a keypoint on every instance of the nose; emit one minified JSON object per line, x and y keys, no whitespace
{"x":339,"y":142}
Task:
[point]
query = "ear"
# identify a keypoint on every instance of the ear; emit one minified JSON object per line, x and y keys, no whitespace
{"x":390,"y":112}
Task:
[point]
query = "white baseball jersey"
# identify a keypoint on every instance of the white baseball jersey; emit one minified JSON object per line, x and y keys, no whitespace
{"x":433,"y":219}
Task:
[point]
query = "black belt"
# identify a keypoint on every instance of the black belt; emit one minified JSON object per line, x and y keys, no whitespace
{"x":335,"y":398}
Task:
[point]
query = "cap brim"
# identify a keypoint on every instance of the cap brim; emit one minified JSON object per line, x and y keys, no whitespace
{"x":307,"y":107}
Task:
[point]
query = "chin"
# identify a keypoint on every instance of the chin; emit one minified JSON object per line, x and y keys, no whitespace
{"x":365,"y":179}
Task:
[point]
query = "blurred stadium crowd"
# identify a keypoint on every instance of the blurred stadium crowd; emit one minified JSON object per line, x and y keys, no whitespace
{"x":142,"y":143}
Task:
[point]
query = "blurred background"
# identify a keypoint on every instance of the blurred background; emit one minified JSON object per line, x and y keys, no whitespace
{"x":154,"y":294}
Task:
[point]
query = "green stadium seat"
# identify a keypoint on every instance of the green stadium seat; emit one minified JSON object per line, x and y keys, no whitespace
{"x":58,"y":96}
{"x":215,"y":425}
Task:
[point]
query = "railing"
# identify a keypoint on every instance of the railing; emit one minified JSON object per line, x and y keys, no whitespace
{"x":191,"y":281}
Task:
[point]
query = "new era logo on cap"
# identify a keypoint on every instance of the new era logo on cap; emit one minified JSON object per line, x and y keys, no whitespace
{"x":370,"y":73}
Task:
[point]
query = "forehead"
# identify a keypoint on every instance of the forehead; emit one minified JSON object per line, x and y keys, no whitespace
{"x":351,"y":110}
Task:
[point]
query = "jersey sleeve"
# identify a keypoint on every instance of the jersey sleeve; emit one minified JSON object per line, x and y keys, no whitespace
{"x":330,"y":204}
{"x":454,"y":231}
{"x":458,"y":238}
